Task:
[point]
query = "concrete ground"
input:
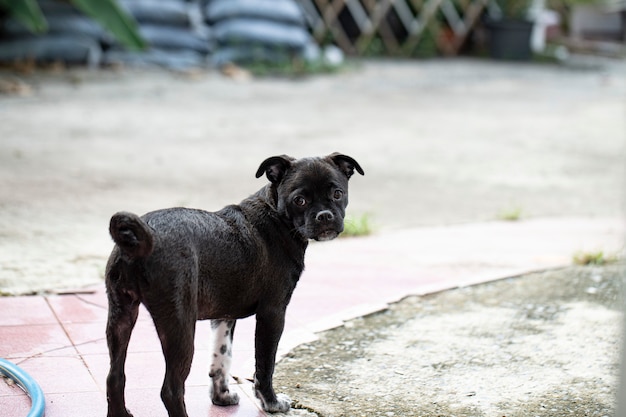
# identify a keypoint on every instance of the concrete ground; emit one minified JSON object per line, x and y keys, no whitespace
{"x":449,"y":147}
{"x":442,"y":142}
{"x":543,"y":344}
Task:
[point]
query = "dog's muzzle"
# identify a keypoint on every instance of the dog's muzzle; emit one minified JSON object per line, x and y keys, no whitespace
{"x":326,"y":226}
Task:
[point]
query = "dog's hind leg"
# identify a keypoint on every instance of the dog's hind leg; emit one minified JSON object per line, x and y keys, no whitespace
{"x":176,"y":332}
{"x":223,"y":331}
{"x":123,"y":310}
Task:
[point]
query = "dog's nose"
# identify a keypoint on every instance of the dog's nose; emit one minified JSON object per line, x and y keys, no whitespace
{"x":324,"y":216}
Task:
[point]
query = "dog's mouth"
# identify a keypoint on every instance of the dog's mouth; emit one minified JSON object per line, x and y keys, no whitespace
{"x":322,"y":231}
{"x":326,"y":235}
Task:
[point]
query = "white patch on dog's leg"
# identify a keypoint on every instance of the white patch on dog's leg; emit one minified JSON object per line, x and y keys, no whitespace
{"x":222,"y":359}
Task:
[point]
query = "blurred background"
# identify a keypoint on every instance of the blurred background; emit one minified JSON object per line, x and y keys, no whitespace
{"x":305,"y":33}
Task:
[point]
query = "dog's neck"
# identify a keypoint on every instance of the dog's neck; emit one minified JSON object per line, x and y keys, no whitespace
{"x":268,"y":195}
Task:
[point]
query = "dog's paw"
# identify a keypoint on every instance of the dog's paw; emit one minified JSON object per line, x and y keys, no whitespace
{"x":281,"y":405}
{"x":225,"y":398}
{"x":124,"y":413}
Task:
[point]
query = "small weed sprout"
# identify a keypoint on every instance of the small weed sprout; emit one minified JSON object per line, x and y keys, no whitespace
{"x":356,"y":226}
{"x":593,"y":258}
{"x":511,"y":215}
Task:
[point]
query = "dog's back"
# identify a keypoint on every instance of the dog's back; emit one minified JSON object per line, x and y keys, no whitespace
{"x":218,"y":256}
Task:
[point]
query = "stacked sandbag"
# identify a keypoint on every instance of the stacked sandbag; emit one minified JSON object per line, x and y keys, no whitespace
{"x":174,"y":30}
{"x":72,"y":38}
{"x":250,"y":31}
{"x":179,"y":33}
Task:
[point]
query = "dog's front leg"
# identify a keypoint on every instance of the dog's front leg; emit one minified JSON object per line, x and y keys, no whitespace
{"x":269,"y":328}
{"x":223,"y":332}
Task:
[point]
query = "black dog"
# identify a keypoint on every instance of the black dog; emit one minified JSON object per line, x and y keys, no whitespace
{"x":186,"y":265}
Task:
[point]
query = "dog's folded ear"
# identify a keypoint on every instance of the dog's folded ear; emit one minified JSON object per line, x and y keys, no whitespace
{"x":275,"y":167}
{"x":346,"y":164}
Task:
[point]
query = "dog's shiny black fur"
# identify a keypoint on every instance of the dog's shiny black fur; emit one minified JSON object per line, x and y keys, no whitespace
{"x":186,"y":265}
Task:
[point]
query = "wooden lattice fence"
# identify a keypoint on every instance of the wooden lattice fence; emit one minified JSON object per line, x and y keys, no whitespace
{"x":394,"y":27}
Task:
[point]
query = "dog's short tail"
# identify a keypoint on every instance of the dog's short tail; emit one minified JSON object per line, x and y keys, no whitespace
{"x":133,"y":235}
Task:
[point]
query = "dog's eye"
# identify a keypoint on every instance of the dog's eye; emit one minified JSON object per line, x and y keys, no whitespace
{"x":338,"y":194}
{"x":299,"y":201}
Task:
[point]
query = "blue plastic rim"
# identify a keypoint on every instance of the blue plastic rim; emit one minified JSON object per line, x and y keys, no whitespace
{"x":28,"y":384}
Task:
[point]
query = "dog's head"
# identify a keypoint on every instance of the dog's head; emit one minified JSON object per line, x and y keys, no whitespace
{"x":311,"y":193}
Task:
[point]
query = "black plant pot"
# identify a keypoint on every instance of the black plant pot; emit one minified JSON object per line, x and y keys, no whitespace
{"x":509,"y":39}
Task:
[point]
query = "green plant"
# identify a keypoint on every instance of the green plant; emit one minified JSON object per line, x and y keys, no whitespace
{"x":106,"y":12}
{"x":514,"y":9}
{"x":511,"y":214}
{"x":357,"y":226}
{"x":27,"y":12}
{"x":593,"y":258}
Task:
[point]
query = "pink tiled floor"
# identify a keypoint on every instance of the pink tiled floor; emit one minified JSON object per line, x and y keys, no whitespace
{"x":59,"y":339}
